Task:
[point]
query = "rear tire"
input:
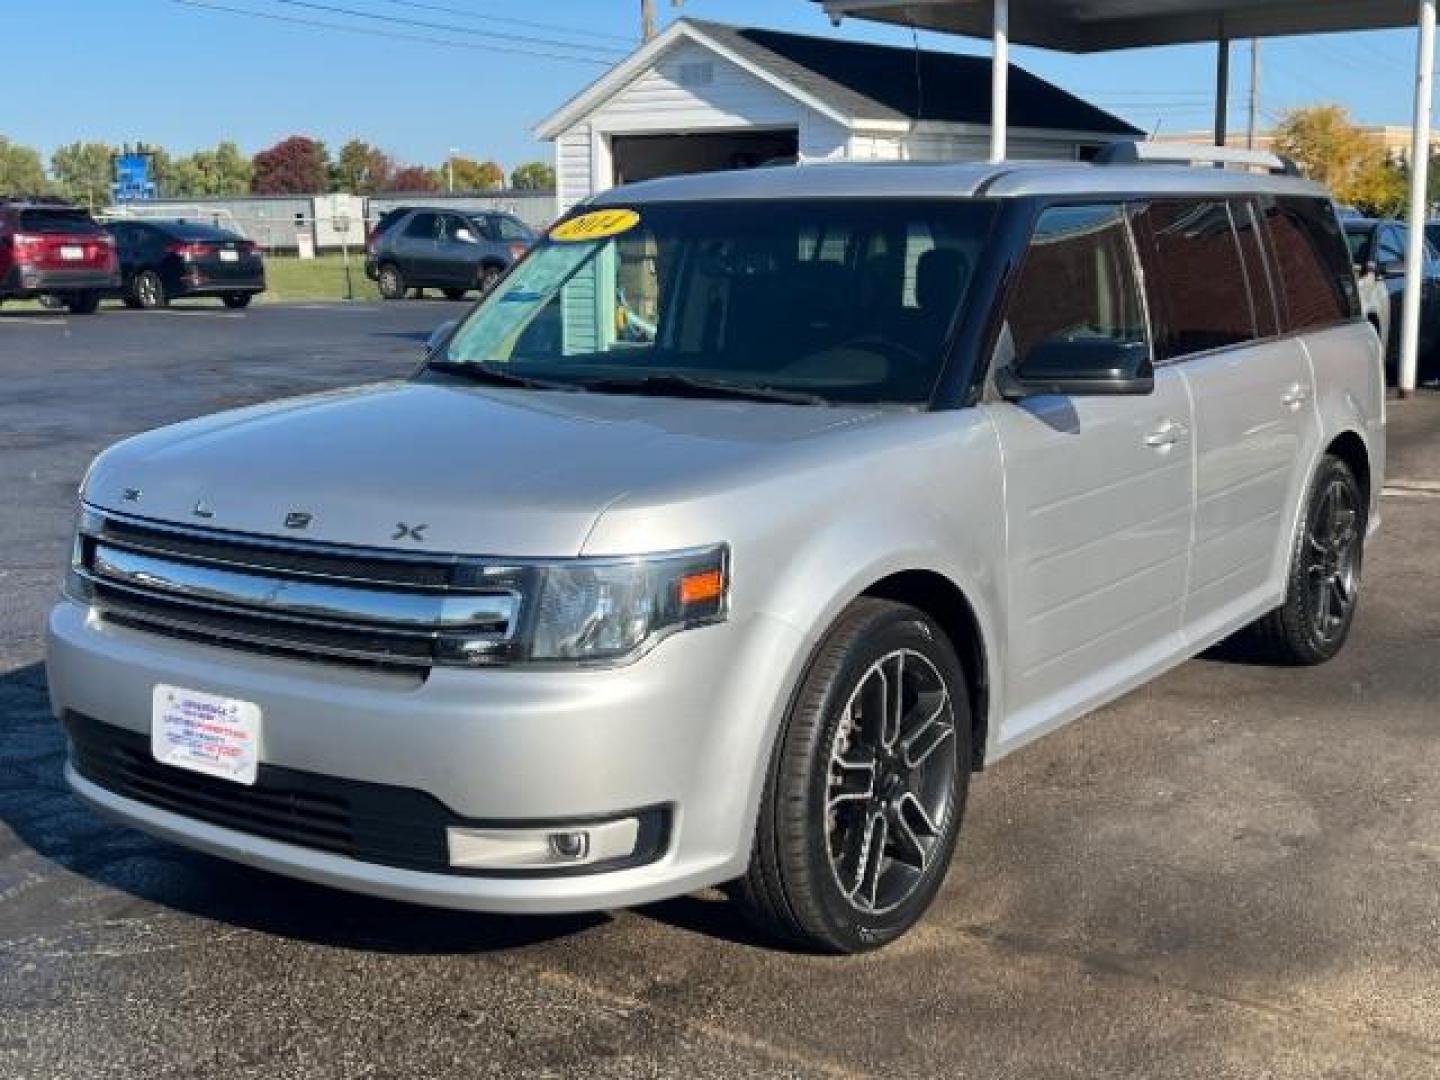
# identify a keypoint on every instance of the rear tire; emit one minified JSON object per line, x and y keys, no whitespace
{"x":149,"y":291}
{"x":390,"y":282}
{"x":84,"y":302}
{"x":1323,"y":588}
{"x":867,"y":788}
{"x":237,"y":301}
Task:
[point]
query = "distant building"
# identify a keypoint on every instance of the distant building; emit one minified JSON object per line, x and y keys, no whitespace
{"x":703,"y":96}
{"x":1393,"y":138}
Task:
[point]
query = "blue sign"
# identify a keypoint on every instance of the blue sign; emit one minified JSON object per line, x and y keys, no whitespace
{"x":131,"y":177}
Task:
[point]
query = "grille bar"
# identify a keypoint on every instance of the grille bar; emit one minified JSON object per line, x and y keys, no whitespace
{"x":324,"y":603}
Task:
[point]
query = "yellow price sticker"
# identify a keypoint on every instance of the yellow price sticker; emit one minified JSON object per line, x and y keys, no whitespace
{"x":596,"y":225}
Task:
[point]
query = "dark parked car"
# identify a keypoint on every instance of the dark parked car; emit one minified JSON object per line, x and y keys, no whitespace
{"x":49,"y":248}
{"x":163,"y":260}
{"x":450,"y":250}
{"x":1378,"y":248}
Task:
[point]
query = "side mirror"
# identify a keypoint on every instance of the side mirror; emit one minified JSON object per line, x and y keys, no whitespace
{"x":1395,"y":268}
{"x":1085,"y":367}
{"x":438,"y":336}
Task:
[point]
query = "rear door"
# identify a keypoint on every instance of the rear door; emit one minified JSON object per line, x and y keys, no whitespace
{"x":1098,"y":489}
{"x":1252,"y":390}
{"x":416,"y":247}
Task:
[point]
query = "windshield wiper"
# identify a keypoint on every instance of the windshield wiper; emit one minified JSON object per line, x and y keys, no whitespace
{"x":494,"y":376}
{"x":689,"y":387}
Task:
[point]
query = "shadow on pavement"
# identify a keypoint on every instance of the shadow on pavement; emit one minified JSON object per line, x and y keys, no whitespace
{"x":38,"y":807}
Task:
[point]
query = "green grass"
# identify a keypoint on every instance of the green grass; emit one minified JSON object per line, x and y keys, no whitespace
{"x":287,"y":279}
{"x":321,"y":278}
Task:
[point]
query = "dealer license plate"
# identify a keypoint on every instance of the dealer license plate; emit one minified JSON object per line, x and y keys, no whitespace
{"x":205,"y":733}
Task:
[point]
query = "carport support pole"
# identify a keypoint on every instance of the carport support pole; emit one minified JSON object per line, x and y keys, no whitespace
{"x":1419,"y":199}
{"x":1222,"y":89}
{"x":1000,"y":82}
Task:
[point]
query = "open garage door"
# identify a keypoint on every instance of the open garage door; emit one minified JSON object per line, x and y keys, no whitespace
{"x":645,"y":157}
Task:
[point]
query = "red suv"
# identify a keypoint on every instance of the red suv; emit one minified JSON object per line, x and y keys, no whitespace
{"x":55,"y":248}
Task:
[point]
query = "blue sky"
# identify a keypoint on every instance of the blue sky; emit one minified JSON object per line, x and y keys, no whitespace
{"x":167,"y":73}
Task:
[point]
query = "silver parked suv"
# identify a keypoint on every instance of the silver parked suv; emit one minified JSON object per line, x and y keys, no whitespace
{"x":730,"y":534}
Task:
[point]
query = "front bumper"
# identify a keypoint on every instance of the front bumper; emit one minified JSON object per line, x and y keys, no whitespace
{"x":687,"y":728}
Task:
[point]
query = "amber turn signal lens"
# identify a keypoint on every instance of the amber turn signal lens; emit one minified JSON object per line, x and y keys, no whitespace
{"x":702,"y":588}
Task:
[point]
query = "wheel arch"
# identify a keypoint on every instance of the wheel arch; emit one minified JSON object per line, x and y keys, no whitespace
{"x":945,"y":602}
{"x":1350,"y":448}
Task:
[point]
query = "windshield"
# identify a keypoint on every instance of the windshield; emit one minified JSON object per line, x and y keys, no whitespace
{"x":832,"y":300}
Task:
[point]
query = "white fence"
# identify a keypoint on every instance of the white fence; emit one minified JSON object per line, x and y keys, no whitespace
{"x":323,"y":223}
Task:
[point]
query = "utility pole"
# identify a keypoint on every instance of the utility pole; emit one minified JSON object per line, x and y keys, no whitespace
{"x":1254,"y":93}
{"x":647,"y":17}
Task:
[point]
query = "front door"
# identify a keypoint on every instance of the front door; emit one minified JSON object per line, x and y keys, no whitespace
{"x":1099,"y":490}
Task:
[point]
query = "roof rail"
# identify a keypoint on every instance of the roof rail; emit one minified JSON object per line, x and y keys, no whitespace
{"x":36,"y":199}
{"x":1153,"y":153}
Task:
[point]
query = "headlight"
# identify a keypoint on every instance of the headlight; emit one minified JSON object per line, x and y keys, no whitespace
{"x":605,"y":609}
{"x":592,"y":610}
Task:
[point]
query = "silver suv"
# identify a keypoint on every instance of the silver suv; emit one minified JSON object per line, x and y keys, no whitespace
{"x":730,"y":535}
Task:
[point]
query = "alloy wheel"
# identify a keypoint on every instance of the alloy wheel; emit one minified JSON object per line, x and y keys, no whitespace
{"x":1332,"y":568}
{"x":891,"y":781}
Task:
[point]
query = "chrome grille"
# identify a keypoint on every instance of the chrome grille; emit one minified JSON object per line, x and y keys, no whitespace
{"x":319,"y":602}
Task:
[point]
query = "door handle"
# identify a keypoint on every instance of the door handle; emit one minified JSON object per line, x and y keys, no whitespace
{"x":1295,"y":397}
{"x":1166,"y":435}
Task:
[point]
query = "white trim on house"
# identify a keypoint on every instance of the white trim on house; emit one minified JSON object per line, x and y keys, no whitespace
{"x":632,"y":66}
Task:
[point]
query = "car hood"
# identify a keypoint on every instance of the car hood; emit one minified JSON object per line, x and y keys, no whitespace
{"x":484,"y":471}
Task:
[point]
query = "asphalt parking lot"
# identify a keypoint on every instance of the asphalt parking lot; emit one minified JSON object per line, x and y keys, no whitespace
{"x":1234,"y":872}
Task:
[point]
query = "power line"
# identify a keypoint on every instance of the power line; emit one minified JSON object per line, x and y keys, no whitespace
{"x":396,"y":20}
{"x":293,"y":20}
{"x":443,"y":9}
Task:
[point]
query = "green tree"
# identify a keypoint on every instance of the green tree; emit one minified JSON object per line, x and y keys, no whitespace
{"x":533,"y":176}
{"x":472,"y":175}
{"x":21,"y":170}
{"x":361,"y":169}
{"x":83,"y":172}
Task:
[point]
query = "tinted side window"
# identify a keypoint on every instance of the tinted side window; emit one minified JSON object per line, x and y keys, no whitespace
{"x":1312,"y":262}
{"x":421,"y":226}
{"x":1078,"y":281}
{"x":1197,"y":278}
{"x":1257,"y":271}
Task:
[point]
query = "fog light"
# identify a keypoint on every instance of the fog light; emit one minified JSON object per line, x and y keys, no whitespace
{"x":555,"y":848}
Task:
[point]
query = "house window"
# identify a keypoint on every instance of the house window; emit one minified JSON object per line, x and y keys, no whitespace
{"x":700,"y":73}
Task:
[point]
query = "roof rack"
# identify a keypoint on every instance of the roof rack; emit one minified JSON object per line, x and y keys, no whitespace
{"x":1153,"y":153}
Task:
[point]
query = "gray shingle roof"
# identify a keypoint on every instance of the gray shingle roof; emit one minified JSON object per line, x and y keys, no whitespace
{"x":879,"y":82}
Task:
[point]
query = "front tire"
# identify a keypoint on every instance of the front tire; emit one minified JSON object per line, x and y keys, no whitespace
{"x":237,"y":301}
{"x":391,"y":282}
{"x":864,"y":798}
{"x":454,"y":294}
{"x":1323,"y":588}
{"x":489,"y":278}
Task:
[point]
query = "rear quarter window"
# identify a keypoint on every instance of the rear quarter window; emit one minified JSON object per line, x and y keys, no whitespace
{"x":1312,"y":262}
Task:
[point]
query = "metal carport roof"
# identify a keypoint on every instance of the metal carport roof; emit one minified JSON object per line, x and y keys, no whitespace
{"x":1083,"y":26}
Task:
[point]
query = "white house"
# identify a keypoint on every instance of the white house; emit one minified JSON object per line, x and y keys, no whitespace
{"x":705,"y":95}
